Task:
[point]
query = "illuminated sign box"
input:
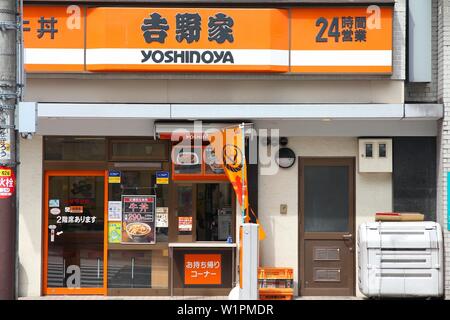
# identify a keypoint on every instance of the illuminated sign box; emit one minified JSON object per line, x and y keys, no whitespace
{"x":187,"y":39}
{"x":305,"y":40}
{"x":54,"y":38}
{"x":341,"y":40}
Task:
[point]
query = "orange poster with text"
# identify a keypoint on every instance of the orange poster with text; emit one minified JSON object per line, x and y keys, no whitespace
{"x":342,"y":39}
{"x":54,"y":38}
{"x":202,"y":269}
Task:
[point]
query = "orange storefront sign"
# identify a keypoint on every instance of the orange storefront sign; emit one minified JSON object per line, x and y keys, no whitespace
{"x":77,"y":38}
{"x":187,"y":39}
{"x":341,"y":40}
{"x":54,"y":38}
{"x":202,"y":269}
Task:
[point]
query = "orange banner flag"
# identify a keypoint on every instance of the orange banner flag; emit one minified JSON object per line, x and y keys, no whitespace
{"x":262,"y":233}
{"x":229,"y":149}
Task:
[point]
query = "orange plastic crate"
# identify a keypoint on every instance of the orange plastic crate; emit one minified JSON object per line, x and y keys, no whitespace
{"x":271,"y":297}
{"x":276,"y":273}
{"x":276,"y":294}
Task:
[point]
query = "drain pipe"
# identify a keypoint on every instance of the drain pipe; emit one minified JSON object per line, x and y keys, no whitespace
{"x":8,"y":99}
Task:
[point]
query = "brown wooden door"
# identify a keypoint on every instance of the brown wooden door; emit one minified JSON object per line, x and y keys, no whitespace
{"x":327,"y":226}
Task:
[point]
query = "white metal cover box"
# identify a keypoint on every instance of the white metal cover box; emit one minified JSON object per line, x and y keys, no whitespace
{"x":400,"y":259}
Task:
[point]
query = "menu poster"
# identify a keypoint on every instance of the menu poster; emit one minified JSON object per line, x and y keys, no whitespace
{"x":162,"y":217}
{"x":185,"y":224}
{"x":138,"y":219}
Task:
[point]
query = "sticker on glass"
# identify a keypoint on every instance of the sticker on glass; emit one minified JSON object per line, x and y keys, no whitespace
{"x":53,"y":203}
{"x":55,"y":211}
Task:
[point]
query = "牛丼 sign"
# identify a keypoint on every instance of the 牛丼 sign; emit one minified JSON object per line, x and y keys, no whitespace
{"x":138,"y":219}
{"x":54,"y":38}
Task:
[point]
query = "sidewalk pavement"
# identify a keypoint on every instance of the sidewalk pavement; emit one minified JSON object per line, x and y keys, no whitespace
{"x":167,"y":298}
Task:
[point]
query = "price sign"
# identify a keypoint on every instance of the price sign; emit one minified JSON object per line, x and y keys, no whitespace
{"x":7,"y":182}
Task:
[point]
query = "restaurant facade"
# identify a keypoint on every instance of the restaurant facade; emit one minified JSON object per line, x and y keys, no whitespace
{"x":119,"y":189}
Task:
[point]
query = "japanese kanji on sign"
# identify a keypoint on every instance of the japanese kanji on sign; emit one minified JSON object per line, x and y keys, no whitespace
{"x":54,"y":38}
{"x":77,"y":38}
{"x":138,"y":219}
{"x":341,"y":40}
{"x":186,"y":39}
{"x":7,"y":182}
{"x":202,"y":269}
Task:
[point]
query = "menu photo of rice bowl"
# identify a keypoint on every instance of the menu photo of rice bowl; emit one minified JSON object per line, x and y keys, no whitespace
{"x":138,"y":231}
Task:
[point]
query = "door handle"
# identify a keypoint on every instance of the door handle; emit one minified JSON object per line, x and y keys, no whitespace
{"x":347,"y":236}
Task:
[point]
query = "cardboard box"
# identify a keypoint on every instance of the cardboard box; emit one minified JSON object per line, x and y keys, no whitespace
{"x":399,"y":216}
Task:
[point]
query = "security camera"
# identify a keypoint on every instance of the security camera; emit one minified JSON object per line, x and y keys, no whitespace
{"x":27,"y":135}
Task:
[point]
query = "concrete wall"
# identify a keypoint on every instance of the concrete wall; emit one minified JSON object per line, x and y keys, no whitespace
{"x":30,"y":217}
{"x":213,"y":91}
{"x":280,"y":248}
{"x":444,"y":134}
{"x":399,"y":40}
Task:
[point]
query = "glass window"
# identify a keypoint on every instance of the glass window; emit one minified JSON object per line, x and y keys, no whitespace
{"x":212,"y":164}
{"x":74,"y":149}
{"x":140,"y":150}
{"x":369,"y":150}
{"x":138,"y":269}
{"x":326,"y":199}
{"x":142,"y":182}
{"x":185,"y":205}
{"x":214,"y":212}
{"x":382,"y":150}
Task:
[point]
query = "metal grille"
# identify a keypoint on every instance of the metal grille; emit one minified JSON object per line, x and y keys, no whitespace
{"x":327,"y":254}
{"x":327,"y":275}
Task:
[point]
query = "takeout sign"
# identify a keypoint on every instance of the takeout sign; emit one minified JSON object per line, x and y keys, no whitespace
{"x":202,"y":269}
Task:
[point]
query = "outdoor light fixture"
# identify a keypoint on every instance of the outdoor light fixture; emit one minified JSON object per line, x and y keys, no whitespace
{"x":285,"y":157}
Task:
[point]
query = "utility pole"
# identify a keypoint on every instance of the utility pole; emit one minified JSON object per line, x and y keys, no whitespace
{"x":9,"y":33}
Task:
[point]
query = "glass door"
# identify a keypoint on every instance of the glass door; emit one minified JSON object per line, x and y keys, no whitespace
{"x":74,"y":229}
{"x":184,"y":204}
